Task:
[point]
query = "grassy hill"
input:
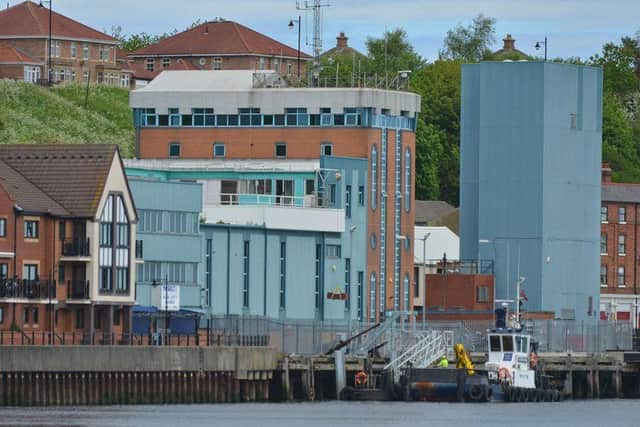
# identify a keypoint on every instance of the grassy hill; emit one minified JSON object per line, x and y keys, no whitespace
{"x":35,"y":115}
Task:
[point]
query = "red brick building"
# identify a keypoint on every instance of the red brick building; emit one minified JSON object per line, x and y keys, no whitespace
{"x":619,"y":273}
{"x":218,"y":45}
{"x":67,"y":237}
{"x":78,"y":52}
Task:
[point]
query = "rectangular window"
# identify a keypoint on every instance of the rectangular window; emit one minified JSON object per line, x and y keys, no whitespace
{"x":622,"y":215}
{"x":216,"y":64}
{"x":85,"y":51}
{"x":289,"y":68}
{"x":347,"y":201}
{"x":123,"y":235}
{"x":150,"y":64}
{"x":281,"y":150}
{"x":30,"y":271}
{"x":326,"y":149}
{"x":283,"y":275}
{"x":603,"y":275}
{"x":361,"y":195}
{"x":621,"y":283}
{"x":219,"y":150}
{"x":174,"y":117}
{"x":56,"y":47}
{"x":332,"y":194}
{"x":106,"y":280}
{"x":4,"y":270}
{"x":604,"y":213}
{"x":482,"y":294}
{"x":309,"y":186}
{"x":31,"y":229}
{"x":74,"y":50}
{"x":166,"y":62}
{"x":347,"y":280}
{"x":174,"y":149}
{"x":621,"y":245}
{"x":106,"y":234}
{"x":3,"y":227}
{"x":603,"y":243}
{"x":122,"y":279}
{"x":104,"y":53}
{"x":245,"y":274}
{"x":334,"y":251}
{"x":318,"y":276}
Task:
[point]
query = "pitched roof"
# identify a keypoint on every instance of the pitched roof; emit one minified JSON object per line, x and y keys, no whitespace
{"x":29,"y":19}
{"x":26,"y":195}
{"x":10,"y":54}
{"x":219,"y":38}
{"x":430,"y":210}
{"x":73,"y":175}
{"x":620,"y":192}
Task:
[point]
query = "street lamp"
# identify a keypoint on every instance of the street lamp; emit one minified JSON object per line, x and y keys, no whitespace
{"x":291,"y":26}
{"x":423,"y":274}
{"x":537,"y":46}
{"x":49,"y":70}
{"x":155,"y":284}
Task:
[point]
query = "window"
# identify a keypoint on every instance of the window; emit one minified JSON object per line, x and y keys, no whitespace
{"x":374,"y":175}
{"x":347,"y":280}
{"x":149,"y":117}
{"x":31,"y":229}
{"x":219,"y":150}
{"x":334,"y":251}
{"x":622,"y":215}
{"x":347,"y":201}
{"x":85,"y":76}
{"x":1,"y":315}
{"x":74,"y":50}
{"x":150,"y":64}
{"x":603,"y":243}
{"x":361,"y":195}
{"x":332,"y":194}
{"x":4,"y":270}
{"x":281,"y":150}
{"x":34,"y":315}
{"x":407,"y":291}
{"x":166,"y":62}
{"x":283,"y":274}
{"x":373,"y":241}
{"x":326,"y":149}
{"x":174,"y":117}
{"x":494,"y":343}
{"x":621,"y":277}
{"x":603,"y":275}
{"x":56,"y":47}
{"x":114,"y":246}
{"x":80,"y":318}
{"x":275,"y":64}
{"x":289,"y":68}
{"x":202,"y":117}
{"x":604,"y":213}
{"x":30,"y":271}
{"x":122,"y":279}
{"x":309,"y":186}
{"x":360,"y":294}
{"x":106,"y":234}
{"x":3,"y":227}
{"x":85,"y":51}
{"x":174,"y":149}
{"x":372,"y":295}
{"x":318,"y":277}
{"x":482,"y":294}
{"x":621,"y":245}
{"x":249,"y":117}
{"x":245,"y":275}
{"x":105,"y":278}
{"x":261,"y":63}
{"x":507,"y":343}
{"x":216,"y":64}
{"x":103,"y":51}
{"x":125,"y":80}
{"x":407,"y":180}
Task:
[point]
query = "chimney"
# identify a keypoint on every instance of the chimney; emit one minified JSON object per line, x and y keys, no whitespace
{"x":509,"y":43}
{"x":606,"y":172}
{"x":341,"y":40}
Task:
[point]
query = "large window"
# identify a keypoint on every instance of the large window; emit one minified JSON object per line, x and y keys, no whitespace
{"x":115,"y":243}
{"x":374,"y":176}
{"x":245,"y":274}
{"x":3,"y":227}
{"x":283,"y":275}
{"x":621,"y":245}
{"x":604,"y":213}
{"x":31,"y":229}
{"x":603,"y":275}
{"x":622,"y":215}
{"x":407,"y":180}
{"x":621,"y":278}
{"x":603,"y":243}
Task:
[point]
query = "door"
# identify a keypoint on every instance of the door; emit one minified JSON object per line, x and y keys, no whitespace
{"x":284,"y":192}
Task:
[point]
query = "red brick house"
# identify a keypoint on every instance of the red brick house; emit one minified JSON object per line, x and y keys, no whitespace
{"x":67,"y":240}
{"x":619,"y":272}
{"x":218,"y":45}
{"x":78,"y":52}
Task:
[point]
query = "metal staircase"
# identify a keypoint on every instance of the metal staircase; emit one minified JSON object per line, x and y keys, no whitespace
{"x":372,"y":339}
{"x":432,"y":345}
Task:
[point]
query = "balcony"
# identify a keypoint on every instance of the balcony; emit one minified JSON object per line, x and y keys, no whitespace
{"x":275,"y":212}
{"x":76,"y":249}
{"x":78,"y":289}
{"x":27,"y":289}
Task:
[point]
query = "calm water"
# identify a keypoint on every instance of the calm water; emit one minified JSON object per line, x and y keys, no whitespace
{"x":332,"y":414}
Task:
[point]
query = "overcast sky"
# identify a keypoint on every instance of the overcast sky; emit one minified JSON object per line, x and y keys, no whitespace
{"x":574,"y":27}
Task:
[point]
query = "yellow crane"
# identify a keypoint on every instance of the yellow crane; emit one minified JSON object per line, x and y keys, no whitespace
{"x":463,"y":359}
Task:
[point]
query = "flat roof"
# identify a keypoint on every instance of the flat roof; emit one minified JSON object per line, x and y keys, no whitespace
{"x":221,"y":165}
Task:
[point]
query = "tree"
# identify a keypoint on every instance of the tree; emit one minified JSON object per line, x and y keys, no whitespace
{"x":619,"y":149}
{"x":392,"y":53}
{"x":471,"y":43}
{"x":620,"y":64}
{"x":429,"y":149}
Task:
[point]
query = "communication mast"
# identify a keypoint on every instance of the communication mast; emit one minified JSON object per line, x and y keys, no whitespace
{"x":315,"y":6}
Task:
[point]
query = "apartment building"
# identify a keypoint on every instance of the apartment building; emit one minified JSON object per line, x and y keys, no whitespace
{"x":301,"y":141}
{"x":67,"y":240}
{"x":76,"y":52}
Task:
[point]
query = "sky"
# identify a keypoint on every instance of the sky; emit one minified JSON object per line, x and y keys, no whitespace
{"x":573,"y":27}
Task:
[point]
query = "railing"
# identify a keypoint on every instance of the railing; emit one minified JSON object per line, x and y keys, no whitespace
{"x":239,"y":199}
{"x":440,"y":266}
{"x":139,"y":249}
{"x":76,"y":247}
{"x":29,"y":289}
{"x":78,"y":289}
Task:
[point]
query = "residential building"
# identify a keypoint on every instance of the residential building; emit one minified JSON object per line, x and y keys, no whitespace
{"x":619,"y":256}
{"x":67,"y":238}
{"x":219,"y":45}
{"x":531,"y":146}
{"x":76,"y":52}
{"x":195,"y":117}
{"x":509,"y":51}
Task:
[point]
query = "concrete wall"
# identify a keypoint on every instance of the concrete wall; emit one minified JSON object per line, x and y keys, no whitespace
{"x":530,"y":180}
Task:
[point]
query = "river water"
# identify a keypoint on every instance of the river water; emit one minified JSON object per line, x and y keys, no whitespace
{"x":614,"y":413}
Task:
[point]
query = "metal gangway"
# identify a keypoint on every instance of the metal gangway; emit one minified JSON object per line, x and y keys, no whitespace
{"x":371,"y":340}
{"x":430,"y":347}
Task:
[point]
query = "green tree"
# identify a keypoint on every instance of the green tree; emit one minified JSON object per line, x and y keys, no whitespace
{"x":619,"y":149}
{"x":392,"y":53}
{"x":429,"y":150}
{"x":471,"y":43}
{"x":620,"y":65}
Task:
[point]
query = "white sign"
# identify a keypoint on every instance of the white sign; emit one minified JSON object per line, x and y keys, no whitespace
{"x":167,"y":297}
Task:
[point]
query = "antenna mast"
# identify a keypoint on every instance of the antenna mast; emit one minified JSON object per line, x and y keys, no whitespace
{"x":315,"y":6}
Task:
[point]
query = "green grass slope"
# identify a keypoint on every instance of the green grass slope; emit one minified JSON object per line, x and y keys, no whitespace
{"x":36,"y":115}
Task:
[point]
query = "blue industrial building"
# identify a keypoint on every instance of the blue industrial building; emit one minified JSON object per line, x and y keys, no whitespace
{"x":530,"y":180}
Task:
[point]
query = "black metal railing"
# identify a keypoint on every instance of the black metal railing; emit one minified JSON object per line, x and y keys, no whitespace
{"x":441,"y":266}
{"x":139,"y":249}
{"x":30,"y":289}
{"x":76,"y":247}
{"x":78,"y":289}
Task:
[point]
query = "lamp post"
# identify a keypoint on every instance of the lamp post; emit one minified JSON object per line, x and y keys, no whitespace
{"x":537,"y":46}
{"x":49,"y":70}
{"x":423,"y":275}
{"x":291,"y":26}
